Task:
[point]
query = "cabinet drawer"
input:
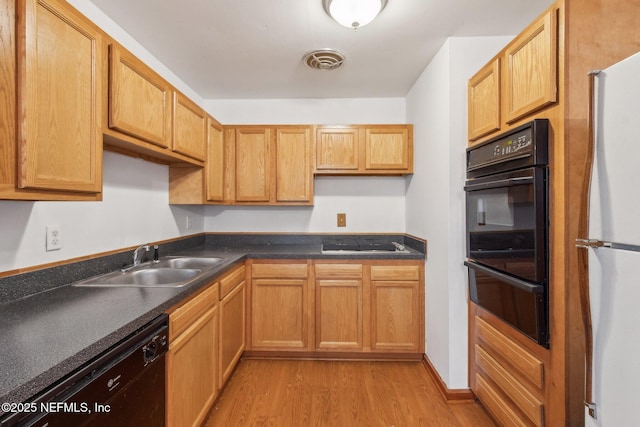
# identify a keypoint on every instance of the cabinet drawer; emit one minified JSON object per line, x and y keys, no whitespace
{"x":290,"y":271}
{"x":231,"y":280}
{"x":395,"y":272}
{"x":526,"y":364}
{"x":495,"y":403}
{"x":338,"y":271}
{"x":183,"y":316}
{"x":517,"y":392}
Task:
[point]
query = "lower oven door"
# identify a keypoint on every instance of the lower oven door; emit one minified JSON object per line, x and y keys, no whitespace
{"x":520,"y":303}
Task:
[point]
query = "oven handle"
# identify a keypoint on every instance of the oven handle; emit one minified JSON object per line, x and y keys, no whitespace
{"x":511,"y":182}
{"x":521,"y":284}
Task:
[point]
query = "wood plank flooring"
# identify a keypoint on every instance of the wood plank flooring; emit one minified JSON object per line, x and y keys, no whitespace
{"x":303,"y":393}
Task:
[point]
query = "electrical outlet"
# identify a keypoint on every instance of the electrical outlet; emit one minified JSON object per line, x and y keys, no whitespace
{"x":54,"y":237}
{"x":187,"y":222}
{"x":342,"y":220}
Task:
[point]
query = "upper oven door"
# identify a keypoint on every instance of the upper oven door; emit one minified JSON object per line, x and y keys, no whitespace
{"x":506,"y":222}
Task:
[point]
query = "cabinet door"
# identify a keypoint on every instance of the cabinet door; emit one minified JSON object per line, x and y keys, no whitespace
{"x":215,"y":164}
{"x":253,"y":165}
{"x":192,"y":376}
{"x":395,"y":316}
{"x":279,"y":314}
{"x":484,"y":101}
{"x":139,"y":99}
{"x":189,"y":127}
{"x":232,"y":327}
{"x":337,"y":149}
{"x":339,"y":314}
{"x":388,"y":149}
{"x":294,"y":165}
{"x":531,"y":71}
{"x":59,"y":98}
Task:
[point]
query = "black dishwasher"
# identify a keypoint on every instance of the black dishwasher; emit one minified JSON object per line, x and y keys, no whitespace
{"x":125,"y":386}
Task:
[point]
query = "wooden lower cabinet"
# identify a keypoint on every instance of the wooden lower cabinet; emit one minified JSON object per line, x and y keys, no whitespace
{"x":395,"y":316}
{"x":232,"y":322}
{"x":336,"y":306}
{"x":206,"y":340}
{"x":192,"y":360}
{"x":279,"y":306}
{"x":339,"y":306}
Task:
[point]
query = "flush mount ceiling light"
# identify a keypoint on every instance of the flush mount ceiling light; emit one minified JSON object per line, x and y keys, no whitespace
{"x":353,"y":13}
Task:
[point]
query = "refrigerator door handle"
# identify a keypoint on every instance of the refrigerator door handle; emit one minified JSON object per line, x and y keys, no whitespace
{"x":589,"y":243}
{"x":594,"y":243}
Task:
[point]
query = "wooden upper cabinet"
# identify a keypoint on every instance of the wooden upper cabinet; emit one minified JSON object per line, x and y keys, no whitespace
{"x":294,"y":165}
{"x":139,"y":99}
{"x":253,"y":164}
{"x":531,"y":68}
{"x":388,"y":149}
{"x":337,"y":148}
{"x":364,"y":150}
{"x":59,"y":85}
{"x":189,"y":127}
{"x":484,"y":101}
{"x":215,"y":164}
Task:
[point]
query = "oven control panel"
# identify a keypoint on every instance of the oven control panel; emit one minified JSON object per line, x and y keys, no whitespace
{"x":523,"y":146}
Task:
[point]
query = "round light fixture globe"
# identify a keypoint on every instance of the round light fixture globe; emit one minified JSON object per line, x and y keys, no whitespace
{"x":353,"y":13}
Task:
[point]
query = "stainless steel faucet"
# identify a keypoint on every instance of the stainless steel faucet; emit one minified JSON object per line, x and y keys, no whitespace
{"x":137,"y":256}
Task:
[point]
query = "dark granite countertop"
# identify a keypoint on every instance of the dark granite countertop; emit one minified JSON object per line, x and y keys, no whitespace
{"x":50,"y":328}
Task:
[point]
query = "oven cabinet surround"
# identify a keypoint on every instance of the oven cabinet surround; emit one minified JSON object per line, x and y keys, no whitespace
{"x":364,"y":150}
{"x":508,"y":372}
{"x":323,"y":308}
{"x":192,"y":382}
{"x":518,"y":82}
{"x":44,"y":115}
{"x":513,"y":396}
{"x":206,"y":340}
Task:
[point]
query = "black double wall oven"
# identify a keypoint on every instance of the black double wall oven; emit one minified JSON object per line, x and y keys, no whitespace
{"x":507,"y":219}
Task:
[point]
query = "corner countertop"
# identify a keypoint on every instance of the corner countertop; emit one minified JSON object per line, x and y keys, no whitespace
{"x":57,"y":328}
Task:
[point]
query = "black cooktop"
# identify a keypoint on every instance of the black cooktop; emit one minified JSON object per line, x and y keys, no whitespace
{"x":358,"y":244}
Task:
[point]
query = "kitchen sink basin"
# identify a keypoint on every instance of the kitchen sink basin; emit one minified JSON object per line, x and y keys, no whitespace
{"x":146,"y":277}
{"x":170,"y":272}
{"x":189,"y":262}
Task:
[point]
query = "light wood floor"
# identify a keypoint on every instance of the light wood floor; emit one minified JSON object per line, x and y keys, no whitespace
{"x":341,"y":394}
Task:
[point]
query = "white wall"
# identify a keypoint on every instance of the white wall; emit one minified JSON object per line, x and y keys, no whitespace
{"x":135,"y":210}
{"x":371,"y":204}
{"x":437,"y":106}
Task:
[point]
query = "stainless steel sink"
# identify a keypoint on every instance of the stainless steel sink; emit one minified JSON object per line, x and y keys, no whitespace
{"x":146,"y":277}
{"x":189,"y":262}
{"x":170,"y":272}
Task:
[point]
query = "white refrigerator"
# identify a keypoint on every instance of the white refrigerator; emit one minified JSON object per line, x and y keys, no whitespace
{"x":614,"y":267}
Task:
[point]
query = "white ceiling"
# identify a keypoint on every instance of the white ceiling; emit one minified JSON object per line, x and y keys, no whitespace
{"x":237,"y":49}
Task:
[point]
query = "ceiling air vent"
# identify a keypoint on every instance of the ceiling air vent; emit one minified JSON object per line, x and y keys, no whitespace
{"x":324,"y":59}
